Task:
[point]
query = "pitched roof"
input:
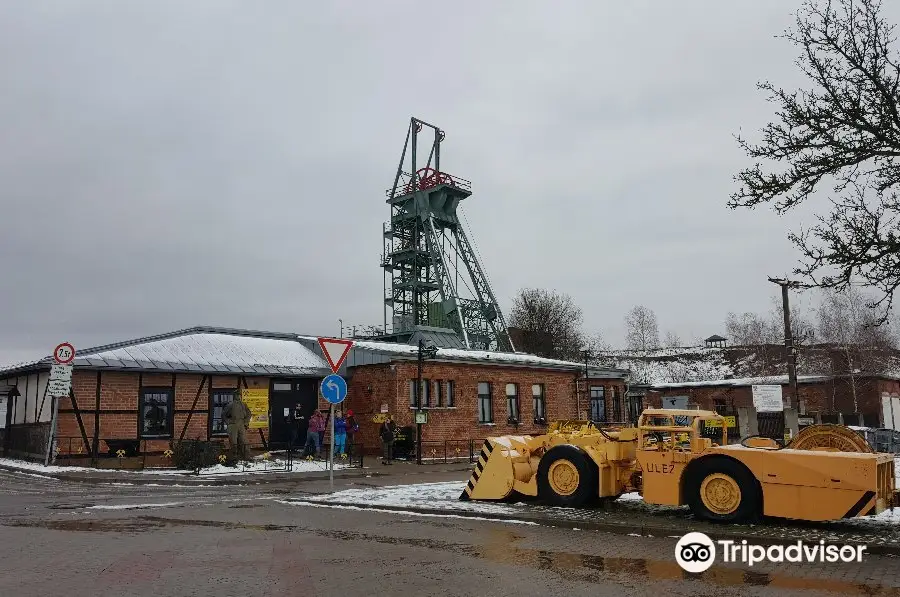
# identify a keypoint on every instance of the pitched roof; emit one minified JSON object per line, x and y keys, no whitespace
{"x":202,"y":350}
{"x":205,"y":349}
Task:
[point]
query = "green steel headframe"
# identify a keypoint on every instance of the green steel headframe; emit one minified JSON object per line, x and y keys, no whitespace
{"x":432,"y":274}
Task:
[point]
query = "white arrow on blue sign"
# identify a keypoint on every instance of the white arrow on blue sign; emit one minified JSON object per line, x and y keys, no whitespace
{"x":334,"y":389}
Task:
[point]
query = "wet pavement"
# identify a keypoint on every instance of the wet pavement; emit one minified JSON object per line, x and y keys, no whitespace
{"x":64,"y":538}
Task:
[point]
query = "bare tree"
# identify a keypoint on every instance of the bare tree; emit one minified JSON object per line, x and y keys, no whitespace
{"x":750,"y":329}
{"x":596,"y":345}
{"x":546,"y":323}
{"x":844,"y":131}
{"x":642,"y":332}
{"x":672,"y":340}
{"x":762,"y":335}
{"x":848,"y":323}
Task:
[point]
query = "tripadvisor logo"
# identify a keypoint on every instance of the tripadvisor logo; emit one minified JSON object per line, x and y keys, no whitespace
{"x":696,"y":552}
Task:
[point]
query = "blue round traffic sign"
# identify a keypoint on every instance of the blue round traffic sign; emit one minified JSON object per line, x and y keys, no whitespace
{"x":334,"y":389}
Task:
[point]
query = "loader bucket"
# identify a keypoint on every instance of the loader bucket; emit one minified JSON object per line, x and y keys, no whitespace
{"x":493,"y":476}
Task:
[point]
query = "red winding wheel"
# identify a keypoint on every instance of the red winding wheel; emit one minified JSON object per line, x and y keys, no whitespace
{"x":428,"y":178}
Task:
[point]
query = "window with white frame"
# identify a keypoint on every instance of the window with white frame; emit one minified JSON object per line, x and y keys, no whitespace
{"x":538,"y":402}
{"x":218,"y":401}
{"x":157,"y":414}
{"x":485,"y":403}
{"x":437,"y":393}
{"x":451,"y":393}
{"x":512,"y":402}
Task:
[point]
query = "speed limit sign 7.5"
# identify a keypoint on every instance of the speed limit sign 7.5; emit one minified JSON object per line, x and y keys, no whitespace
{"x":64,"y":353}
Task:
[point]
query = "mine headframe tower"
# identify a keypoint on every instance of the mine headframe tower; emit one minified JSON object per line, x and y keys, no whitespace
{"x":432,"y":273}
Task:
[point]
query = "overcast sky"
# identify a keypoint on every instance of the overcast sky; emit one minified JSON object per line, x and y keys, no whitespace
{"x":169,"y":164}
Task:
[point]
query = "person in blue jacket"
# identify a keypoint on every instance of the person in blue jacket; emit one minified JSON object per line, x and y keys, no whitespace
{"x":340,"y":434}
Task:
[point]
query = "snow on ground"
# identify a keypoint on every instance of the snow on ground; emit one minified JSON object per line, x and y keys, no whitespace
{"x":444,"y":496}
{"x":256,"y":466}
{"x":439,"y":496}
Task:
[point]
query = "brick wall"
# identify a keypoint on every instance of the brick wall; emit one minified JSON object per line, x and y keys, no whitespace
{"x":369,"y":387}
{"x":119,"y":393}
{"x":373,"y":385}
{"x":831,"y":396}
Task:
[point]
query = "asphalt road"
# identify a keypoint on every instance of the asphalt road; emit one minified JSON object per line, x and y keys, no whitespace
{"x":65,"y":538}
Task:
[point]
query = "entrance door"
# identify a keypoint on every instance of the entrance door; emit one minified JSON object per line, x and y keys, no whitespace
{"x":286,"y":394}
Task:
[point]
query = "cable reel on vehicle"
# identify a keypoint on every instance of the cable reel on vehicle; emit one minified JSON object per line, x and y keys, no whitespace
{"x":832,"y":438}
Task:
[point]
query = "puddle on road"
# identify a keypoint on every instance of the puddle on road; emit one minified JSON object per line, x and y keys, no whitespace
{"x":501,"y":549}
{"x":70,"y":506}
{"x":247,"y":506}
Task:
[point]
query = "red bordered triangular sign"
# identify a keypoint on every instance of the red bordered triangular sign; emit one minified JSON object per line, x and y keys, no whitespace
{"x":335,"y":351}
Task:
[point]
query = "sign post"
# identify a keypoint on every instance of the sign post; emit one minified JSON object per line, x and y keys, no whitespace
{"x":334,"y":387}
{"x":59,"y":385}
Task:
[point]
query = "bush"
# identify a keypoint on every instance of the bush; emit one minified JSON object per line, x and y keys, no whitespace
{"x":194,"y":454}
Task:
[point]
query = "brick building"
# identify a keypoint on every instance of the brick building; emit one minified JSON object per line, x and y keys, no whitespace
{"x":161,"y":389}
{"x":862,"y":399}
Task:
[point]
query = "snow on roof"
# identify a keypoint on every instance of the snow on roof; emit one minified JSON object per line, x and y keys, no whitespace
{"x":743,"y":381}
{"x":213,"y":352}
{"x":457,"y":354}
{"x":204,"y":350}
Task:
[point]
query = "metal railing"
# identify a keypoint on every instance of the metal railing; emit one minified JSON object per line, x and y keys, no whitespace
{"x":441,"y":451}
{"x":404,"y":185}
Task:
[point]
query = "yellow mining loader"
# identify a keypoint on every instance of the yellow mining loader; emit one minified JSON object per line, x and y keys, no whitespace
{"x":670,"y":459}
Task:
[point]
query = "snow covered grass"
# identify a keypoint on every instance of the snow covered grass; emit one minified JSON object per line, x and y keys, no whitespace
{"x":254,"y":467}
{"x":440,"y":496}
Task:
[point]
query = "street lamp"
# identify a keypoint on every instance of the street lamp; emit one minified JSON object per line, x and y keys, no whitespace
{"x":426,"y":351}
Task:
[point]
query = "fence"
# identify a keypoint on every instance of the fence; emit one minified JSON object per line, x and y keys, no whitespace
{"x":27,"y":441}
{"x":443,"y":452}
{"x":162,"y":455}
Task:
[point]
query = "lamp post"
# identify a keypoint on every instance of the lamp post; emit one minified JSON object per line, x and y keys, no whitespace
{"x":425,"y":352}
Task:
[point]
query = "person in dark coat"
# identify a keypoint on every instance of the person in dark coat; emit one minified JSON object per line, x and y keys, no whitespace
{"x":352,"y":428}
{"x":388,"y":429}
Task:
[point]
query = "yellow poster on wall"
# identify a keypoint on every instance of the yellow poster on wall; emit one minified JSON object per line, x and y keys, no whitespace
{"x":257,"y":400}
{"x":729,"y":422}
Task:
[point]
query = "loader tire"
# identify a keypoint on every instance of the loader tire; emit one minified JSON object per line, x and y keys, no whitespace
{"x":566,"y":477}
{"x":722,"y":490}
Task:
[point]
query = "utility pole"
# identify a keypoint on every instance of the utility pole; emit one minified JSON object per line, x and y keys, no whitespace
{"x":419,"y":403}
{"x":794,"y":401}
{"x":586,"y":354}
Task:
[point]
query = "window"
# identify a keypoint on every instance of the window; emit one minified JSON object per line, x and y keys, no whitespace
{"x":617,"y":405}
{"x":157,"y":412}
{"x":598,"y":403}
{"x":426,"y":393}
{"x":436,"y":388}
{"x":451,"y":393}
{"x":538,"y":404}
{"x":485,"y":405}
{"x":635,"y":406}
{"x":512,"y":402}
{"x":220,"y":399}
{"x":281,"y":386}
